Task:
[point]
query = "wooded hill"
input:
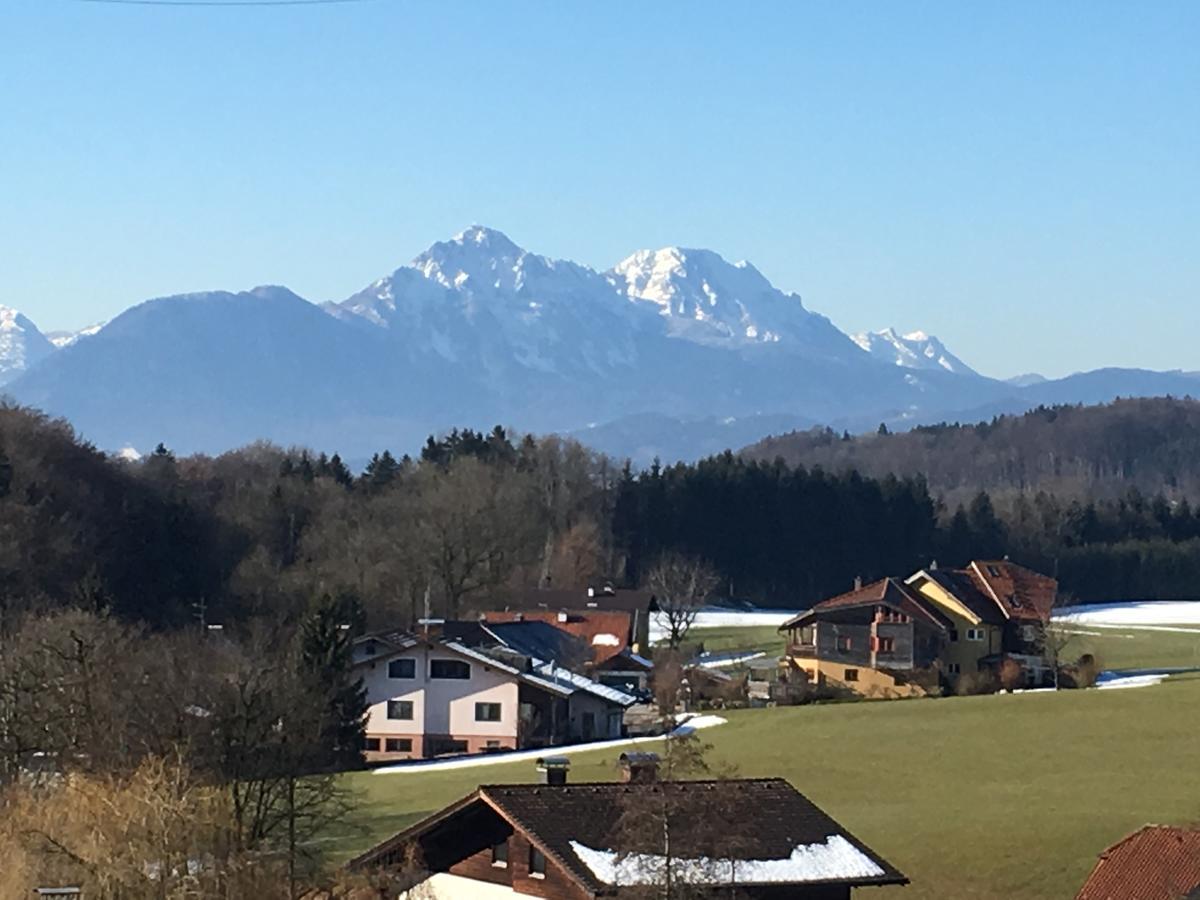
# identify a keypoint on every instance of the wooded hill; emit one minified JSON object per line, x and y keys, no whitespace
{"x":1075,"y":452}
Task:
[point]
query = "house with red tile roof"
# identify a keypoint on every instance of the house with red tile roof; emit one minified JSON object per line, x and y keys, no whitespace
{"x":899,"y":637}
{"x":1156,"y":862}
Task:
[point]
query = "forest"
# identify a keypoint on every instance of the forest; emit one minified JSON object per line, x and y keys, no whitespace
{"x":258,"y":532}
{"x":1073,"y":452}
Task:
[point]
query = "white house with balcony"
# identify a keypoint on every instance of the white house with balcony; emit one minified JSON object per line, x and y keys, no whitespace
{"x":432,"y":695}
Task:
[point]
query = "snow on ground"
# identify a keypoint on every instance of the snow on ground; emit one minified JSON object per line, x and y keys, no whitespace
{"x":835,"y":858}
{"x":1133,"y":613}
{"x":724,"y":618}
{"x":687,"y":726}
{"x":1119,"y":680}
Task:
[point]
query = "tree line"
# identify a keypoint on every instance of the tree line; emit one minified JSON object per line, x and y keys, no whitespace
{"x":1073,"y":452}
{"x":258,"y":532}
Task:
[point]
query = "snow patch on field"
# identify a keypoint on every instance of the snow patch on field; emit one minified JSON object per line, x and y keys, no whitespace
{"x":686,"y":726}
{"x":1118,"y":681}
{"x":1133,"y":613}
{"x":835,"y":858}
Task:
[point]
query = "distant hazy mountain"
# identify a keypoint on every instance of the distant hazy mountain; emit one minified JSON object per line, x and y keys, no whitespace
{"x":22,"y":346}
{"x":672,"y":353}
{"x":62,"y":339}
{"x":915,"y":350}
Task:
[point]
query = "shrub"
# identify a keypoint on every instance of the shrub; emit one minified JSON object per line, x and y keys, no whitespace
{"x":971,"y":684}
{"x":1081,"y":675}
{"x":1012,"y":675}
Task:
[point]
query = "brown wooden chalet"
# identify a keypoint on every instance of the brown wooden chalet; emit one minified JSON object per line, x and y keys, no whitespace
{"x":752,"y":838}
{"x":886,"y":638}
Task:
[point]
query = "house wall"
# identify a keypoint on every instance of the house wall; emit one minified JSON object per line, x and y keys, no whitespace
{"x":872,"y":683}
{"x":442,"y":708}
{"x":962,"y":653}
{"x":581,"y":703}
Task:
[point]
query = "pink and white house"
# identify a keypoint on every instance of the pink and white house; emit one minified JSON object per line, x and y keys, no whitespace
{"x":432,"y":694}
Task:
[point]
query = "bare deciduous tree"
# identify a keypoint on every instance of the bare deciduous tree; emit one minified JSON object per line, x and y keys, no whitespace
{"x":682,"y":585}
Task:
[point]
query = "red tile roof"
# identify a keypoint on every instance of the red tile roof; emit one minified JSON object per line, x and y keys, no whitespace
{"x":1155,"y":863}
{"x":1021,"y":593}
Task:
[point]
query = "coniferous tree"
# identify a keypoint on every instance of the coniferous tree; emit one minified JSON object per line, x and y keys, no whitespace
{"x":325,"y":661}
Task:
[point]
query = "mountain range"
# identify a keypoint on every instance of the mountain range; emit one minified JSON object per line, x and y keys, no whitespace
{"x":672,"y":353}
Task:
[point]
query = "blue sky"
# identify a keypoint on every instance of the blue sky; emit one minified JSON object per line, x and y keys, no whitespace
{"x":1021,"y":179}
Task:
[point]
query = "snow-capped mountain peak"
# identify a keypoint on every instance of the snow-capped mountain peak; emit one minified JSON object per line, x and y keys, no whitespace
{"x":912,"y":350}
{"x":709,"y":300}
{"x":21,"y":344}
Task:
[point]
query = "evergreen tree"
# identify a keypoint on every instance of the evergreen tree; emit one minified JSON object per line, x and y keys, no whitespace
{"x":325,"y":661}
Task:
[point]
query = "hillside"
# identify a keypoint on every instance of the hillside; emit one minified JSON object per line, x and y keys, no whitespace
{"x":1152,"y":445}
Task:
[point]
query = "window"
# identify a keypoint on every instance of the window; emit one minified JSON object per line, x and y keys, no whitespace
{"x":887,"y":645}
{"x":953,"y":668}
{"x":402,"y":668}
{"x":369,"y":649}
{"x":400,"y":709}
{"x":492,"y":745}
{"x":449,"y":668}
{"x":371,"y":745}
{"x":953,"y":635}
{"x":974,"y":634}
{"x":500,"y":855}
{"x":844,"y":643}
{"x":487,"y":712}
{"x":398,"y":745}
{"x":537,"y":863}
{"x":852,"y":674}
{"x":1028,"y":634}
{"x":993,"y":571}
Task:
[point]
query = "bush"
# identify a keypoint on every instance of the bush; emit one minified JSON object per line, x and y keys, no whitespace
{"x":1081,"y":675}
{"x":1012,"y":675}
{"x":973,"y":684}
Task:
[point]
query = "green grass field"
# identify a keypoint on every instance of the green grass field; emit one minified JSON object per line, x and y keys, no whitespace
{"x":1131,"y":648}
{"x":1008,"y":796}
{"x":976,"y":797}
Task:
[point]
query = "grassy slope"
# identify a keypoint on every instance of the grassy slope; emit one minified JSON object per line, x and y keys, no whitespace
{"x":1133,"y":649}
{"x":982,"y":797}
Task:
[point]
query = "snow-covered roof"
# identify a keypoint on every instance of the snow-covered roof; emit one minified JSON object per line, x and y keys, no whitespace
{"x":833,"y":859}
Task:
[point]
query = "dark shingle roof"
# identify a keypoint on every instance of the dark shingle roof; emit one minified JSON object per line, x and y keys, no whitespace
{"x":749,"y":818}
{"x":1155,"y":863}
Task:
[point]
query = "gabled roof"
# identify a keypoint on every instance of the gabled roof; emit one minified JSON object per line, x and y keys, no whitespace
{"x":1156,"y":862}
{"x":762,"y":821}
{"x":540,"y":640}
{"x":889,"y":592}
{"x":959,"y":584}
{"x":1020,"y":593}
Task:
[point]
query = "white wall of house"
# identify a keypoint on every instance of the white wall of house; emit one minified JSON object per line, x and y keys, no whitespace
{"x":444,"y":706}
{"x":444,"y":886}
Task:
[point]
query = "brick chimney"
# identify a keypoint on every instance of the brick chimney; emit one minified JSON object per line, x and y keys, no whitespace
{"x":638,"y":768}
{"x":553,"y":769}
